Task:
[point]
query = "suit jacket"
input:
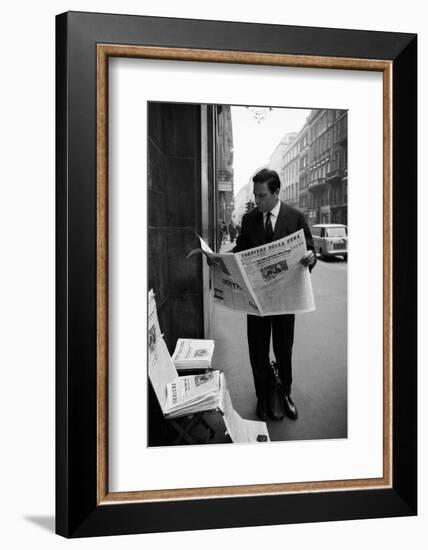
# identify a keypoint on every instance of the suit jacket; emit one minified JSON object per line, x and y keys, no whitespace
{"x":289,"y":220}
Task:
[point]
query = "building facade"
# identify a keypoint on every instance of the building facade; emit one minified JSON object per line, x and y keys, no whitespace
{"x":281,"y":162}
{"x":328,"y":174}
{"x":313,"y":167}
{"x":337,"y":176}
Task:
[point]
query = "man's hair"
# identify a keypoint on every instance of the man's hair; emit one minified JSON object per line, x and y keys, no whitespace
{"x":270,"y":177}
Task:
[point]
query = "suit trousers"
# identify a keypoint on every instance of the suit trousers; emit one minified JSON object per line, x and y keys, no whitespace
{"x":259,"y":331}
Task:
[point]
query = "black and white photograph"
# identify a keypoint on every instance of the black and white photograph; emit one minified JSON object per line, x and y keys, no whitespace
{"x":212,"y":270}
{"x":248,"y":262}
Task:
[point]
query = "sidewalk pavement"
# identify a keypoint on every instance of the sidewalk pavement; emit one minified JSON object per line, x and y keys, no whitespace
{"x":319,"y":362}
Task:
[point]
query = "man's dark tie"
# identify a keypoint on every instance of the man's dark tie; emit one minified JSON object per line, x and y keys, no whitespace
{"x":268,"y":228}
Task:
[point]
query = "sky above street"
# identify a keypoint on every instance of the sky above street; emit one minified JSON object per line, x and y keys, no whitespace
{"x":253,"y":142}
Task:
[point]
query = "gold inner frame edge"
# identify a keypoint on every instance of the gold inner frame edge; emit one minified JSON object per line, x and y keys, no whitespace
{"x":104,"y":51}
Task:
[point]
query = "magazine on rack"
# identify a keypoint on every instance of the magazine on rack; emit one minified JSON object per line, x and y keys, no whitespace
{"x":265,"y":280}
{"x":185,"y":395}
{"x":194,"y":393}
{"x":193,"y":354}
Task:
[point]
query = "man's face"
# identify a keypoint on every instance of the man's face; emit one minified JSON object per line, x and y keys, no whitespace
{"x":265,"y":200}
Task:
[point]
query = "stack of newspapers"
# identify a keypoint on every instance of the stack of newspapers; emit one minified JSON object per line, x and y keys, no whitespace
{"x":191,"y":354}
{"x":191,"y":394}
{"x":182,"y":396}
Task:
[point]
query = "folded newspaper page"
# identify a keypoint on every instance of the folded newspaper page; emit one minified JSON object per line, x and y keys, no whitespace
{"x":266,"y":280}
{"x":192,"y":353}
{"x":161,"y":367}
{"x":240,"y":430}
{"x":230,"y":288}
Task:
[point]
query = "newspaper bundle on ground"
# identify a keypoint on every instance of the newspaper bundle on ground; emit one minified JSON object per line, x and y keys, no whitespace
{"x":184,"y":395}
{"x":266,"y":280}
{"x":193,"y":354}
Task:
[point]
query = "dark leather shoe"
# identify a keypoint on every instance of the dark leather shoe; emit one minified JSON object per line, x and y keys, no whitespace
{"x":262,"y":410}
{"x":289,"y":407}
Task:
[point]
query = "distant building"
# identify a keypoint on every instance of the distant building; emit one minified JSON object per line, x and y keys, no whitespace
{"x":337,"y":176}
{"x":244,"y":195}
{"x":328,"y":165}
{"x":313,"y":167}
{"x":290,"y":160}
{"x":301,"y":162}
{"x":277,"y":160}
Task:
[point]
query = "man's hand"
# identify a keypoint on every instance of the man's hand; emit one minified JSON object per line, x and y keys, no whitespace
{"x":308,"y":259}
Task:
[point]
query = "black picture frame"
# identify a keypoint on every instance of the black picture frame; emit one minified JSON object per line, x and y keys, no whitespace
{"x":78,"y":510}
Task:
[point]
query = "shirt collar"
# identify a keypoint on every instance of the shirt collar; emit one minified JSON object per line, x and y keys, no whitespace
{"x":274,"y":211}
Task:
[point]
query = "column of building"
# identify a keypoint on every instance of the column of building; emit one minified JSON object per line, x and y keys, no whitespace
{"x":224,"y":164}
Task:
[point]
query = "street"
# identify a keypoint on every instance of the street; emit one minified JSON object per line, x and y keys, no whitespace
{"x":319,"y":360}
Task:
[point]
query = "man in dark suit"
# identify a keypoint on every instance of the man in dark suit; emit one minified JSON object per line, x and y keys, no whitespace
{"x":269,"y":221}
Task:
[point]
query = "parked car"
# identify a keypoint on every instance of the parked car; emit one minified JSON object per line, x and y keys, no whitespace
{"x":330,"y":239}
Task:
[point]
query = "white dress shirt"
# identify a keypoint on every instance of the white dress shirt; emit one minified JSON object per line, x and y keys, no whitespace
{"x":273,"y":215}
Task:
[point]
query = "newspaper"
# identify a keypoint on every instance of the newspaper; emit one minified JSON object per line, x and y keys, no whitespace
{"x":186,"y":395}
{"x":190,"y":394}
{"x":266,"y":280}
{"x":240,"y":430}
{"x":192,"y":353}
{"x":161,"y":368}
